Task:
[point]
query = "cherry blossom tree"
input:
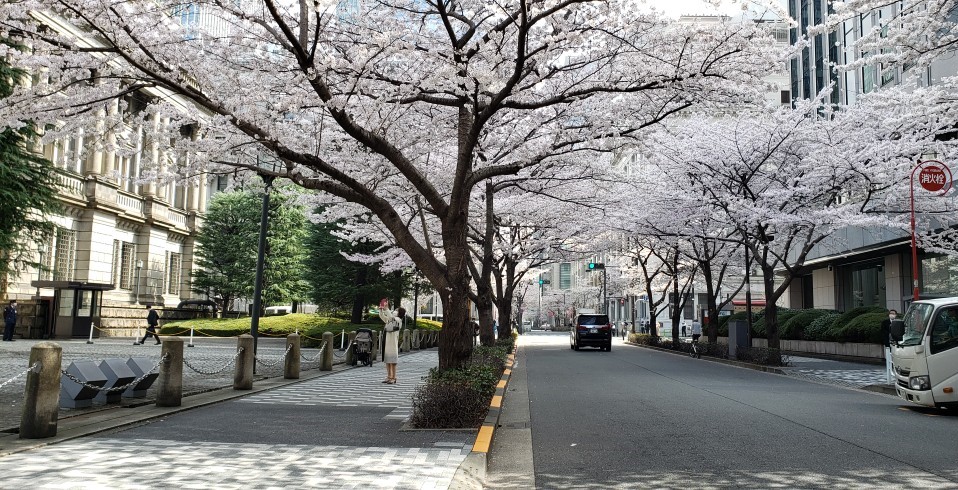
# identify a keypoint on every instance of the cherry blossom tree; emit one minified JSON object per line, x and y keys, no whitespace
{"x":784,"y":181}
{"x":392,"y":105}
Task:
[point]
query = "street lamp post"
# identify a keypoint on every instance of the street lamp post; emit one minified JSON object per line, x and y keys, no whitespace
{"x":415,"y":302}
{"x":260,"y":262}
{"x":748,"y":290}
{"x":136,"y":283}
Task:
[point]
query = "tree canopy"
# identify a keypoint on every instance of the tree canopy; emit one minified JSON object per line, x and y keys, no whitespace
{"x":28,"y":186}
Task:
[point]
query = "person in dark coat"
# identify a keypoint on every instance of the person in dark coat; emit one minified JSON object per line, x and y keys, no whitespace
{"x":9,"y":320}
{"x":886,"y":338}
{"x":152,"y":321}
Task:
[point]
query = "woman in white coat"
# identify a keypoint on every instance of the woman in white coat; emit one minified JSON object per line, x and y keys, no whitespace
{"x":393,"y":323}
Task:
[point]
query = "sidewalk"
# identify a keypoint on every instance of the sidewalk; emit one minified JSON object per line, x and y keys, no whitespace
{"x":209,"y":354}
{"x":842,"y":373}
{"x":339,"y":429}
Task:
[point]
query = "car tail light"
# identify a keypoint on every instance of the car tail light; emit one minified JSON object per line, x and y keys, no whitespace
{"x":607,"y":327}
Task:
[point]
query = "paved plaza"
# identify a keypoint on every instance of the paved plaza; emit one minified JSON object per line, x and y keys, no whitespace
{"x":208,"y":355}
{"x":341,"y":430}
{"x":366,"y":388}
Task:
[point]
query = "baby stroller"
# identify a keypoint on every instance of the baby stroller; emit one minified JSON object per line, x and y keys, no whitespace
{"x":363,"y":346}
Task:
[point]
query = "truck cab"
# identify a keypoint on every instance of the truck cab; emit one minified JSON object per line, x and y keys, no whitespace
{"x":925,"y":353}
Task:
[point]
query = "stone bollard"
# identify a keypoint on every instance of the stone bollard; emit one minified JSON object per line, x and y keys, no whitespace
{"x":415,"y":339}
{"x":41,"y":396}
{"x":243,"y":376}
{"x":291,"y":368}
{"x":350,"y":355}
{"x":169,"y":392}
{"x":404,"y":341}
{"x":327,"y":363}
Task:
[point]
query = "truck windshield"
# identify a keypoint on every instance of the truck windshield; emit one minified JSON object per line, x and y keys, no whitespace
{"x":916,"y":320}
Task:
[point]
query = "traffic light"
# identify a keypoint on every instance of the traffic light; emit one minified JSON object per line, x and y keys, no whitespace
{"x":596,"y":265}
{"x":541,"y":282}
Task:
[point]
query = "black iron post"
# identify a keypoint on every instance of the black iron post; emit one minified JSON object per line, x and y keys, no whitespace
{"x":415,"y":302}
{"x":260,"y":262}
{"x":748,"y":291}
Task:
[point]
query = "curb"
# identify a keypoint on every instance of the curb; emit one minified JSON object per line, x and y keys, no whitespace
{"x":883,"y":389}
{"x":754,"y":367}
{"x":472,"y":471}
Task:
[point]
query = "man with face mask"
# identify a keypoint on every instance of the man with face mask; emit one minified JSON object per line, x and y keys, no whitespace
{"x":886,"y":337}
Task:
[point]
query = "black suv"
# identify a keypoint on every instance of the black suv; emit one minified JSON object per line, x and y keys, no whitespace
{"x":591,"y":330}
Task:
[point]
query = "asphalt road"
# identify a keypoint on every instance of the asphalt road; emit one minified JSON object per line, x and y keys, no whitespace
{"x":638,"y":418}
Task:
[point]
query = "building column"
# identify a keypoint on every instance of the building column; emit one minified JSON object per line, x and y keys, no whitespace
{"x":149,"y":190}
{"x":109,"y":157}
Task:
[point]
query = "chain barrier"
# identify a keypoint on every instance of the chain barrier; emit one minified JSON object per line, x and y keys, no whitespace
{"x":35,"y":368}
{"x":211,"y":373}
{"x":277,"y":361}
{"x":343,"y":355}
{"x":115,"y":388}
{"x":318,"y":355}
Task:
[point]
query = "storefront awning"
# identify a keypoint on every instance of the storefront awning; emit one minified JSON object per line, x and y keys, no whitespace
{"x":84,"y":286}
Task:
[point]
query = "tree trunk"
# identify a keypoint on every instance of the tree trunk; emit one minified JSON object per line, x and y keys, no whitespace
{"x":676,"y":305}
{"x":712,"y":306}
{"x":505,"y":317}
{"x":771,"y":310}
{"x":455,"y":344}
{"x":484,"y":306}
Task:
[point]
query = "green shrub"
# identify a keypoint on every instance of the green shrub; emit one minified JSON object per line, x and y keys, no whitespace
{"x":794,"y":328}
{"x":853,"y":313}
{"x":758,"y":321}
{"x":865,"y":328}
{"x":761,"y":355}
{"x":838,"y":331}
{"x":818,"y":328}
{"x":459,"y":398}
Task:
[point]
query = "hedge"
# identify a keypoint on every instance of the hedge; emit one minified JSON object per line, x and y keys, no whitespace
{"x":796,"y":326}
{"x":861,"y":324}
{"x":308,"y":325}
{"x":865,"y":328}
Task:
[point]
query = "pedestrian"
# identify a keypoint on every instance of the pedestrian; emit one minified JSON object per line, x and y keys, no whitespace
{"x":886,"y":338}
{"x":390,"y":350}
{"x":696,"y":331}
{"x":152,"y":321}
{"x":9,"y":320}
{"x":683,"y":330}
{"x":625,"y":327}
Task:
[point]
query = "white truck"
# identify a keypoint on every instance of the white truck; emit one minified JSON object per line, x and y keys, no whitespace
{"x":925,"y":353}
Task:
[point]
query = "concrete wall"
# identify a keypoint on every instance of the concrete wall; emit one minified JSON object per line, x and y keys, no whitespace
{"x":894,"y":283}
{"x":823,"y":288}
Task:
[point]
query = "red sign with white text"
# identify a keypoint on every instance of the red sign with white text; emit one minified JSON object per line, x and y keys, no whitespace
{"x":932,"y":178}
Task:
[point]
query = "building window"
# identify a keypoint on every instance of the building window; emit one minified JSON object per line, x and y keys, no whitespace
{"x":173,"y":273}
{"x":786,"y":97}
{"x":64,"y":262}
{"x":864,"y":285}
{"x":126,"y":267}
{"x":944,"y":332}
{"x":565,"y":275}
{"x":939,"y":275}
